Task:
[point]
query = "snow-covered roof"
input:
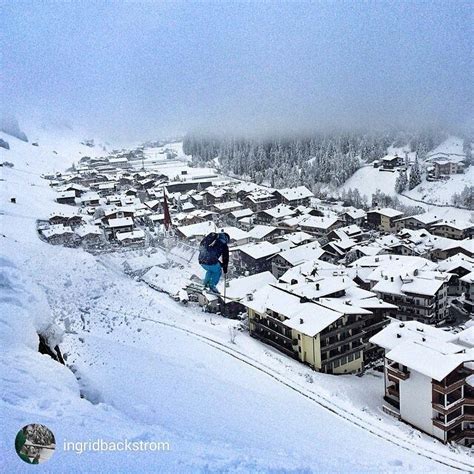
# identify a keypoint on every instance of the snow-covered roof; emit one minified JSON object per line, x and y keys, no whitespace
{"x":355,"y":213}
{"x":292,"y":194}
{"x":456,"y":261}
{"x":66,"y":194}
{"x":239,"y":213}
{"x":297,"y":237}
{"x":387,"y":212}
{"x":302,"y":253}
{"x":455,"y":224}
{"x":133,"y":235}
{"x":58,"y":229}
{"x":224,"y":206}
{"x":314,"y":268}
{"x":67,"y":213}
{"x":259,"y":250}
{"x":280,"y":212}
{"x":239,"y":288}
{"x":203,"y":228}
{"x":433,"y":360}
{"x":261,"y":231}
{"x":88,"y":229}
{"x":121,"y":222}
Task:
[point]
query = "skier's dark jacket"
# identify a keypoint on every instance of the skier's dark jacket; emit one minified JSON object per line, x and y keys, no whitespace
{"x":212,"y":247}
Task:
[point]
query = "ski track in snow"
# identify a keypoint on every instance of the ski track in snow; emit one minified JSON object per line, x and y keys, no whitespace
{"x":318,"y":398}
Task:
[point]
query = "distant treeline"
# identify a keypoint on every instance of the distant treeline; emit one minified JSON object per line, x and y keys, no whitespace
{"x":320,"y":158}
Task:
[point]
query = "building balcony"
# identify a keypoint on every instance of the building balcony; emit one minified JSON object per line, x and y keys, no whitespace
{"x":448,"y":387}
{"x":277,"y":345}
{"x":460,"y":435}
{"x":342,"y":328}
{"x":393,"y":391}
{"x":274,"y":332}
{"x":447,"y":409}
{"x":394,"y":371}
{"x":341,"y":341}
{"x":449,"y":425}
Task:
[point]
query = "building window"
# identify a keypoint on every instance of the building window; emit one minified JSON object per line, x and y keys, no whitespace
{"x":336,"y":363}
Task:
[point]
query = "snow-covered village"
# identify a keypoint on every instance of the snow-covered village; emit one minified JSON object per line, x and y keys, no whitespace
{"x":195,"y":301}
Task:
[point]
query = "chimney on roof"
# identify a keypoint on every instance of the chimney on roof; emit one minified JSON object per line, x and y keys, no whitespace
{"x":399,"y":336}
{"x":301,"y":321}
{"x":402,"y":325}
{"x":249,"y":296}
{"x":317,"y":286}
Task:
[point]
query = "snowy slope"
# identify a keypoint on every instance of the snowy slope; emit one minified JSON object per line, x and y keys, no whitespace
{"x":150,"y":369}
{"x":435,"y":195}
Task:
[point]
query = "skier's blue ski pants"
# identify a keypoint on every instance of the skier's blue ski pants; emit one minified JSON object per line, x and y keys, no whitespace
{"x":213,"y":274}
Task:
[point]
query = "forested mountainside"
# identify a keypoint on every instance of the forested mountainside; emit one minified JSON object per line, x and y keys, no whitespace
{"x":308,"y":160}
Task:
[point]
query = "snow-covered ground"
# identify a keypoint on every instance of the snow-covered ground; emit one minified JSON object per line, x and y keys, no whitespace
{"x":149,"y":369}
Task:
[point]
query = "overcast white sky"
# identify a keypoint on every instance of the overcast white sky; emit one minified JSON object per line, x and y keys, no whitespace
{"x":139,"y":70}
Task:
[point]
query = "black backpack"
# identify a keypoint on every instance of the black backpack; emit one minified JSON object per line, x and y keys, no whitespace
{"x":206,"y":244}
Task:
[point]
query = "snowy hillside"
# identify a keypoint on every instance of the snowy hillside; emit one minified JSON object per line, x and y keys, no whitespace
{"x":368,"y":179}
{"x":145,"y":368}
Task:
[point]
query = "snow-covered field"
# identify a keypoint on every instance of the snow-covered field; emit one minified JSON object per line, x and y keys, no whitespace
{"x":149,"y":369}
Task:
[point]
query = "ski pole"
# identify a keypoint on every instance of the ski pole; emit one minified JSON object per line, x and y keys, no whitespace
{"x":225,"y":284}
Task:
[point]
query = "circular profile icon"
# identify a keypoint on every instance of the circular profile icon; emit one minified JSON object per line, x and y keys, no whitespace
{"x":35,"y":443}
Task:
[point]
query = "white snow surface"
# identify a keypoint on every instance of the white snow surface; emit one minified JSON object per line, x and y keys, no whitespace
{"x":151,"y":370}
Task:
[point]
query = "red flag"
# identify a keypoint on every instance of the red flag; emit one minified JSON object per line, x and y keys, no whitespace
{"x":166,"y":212}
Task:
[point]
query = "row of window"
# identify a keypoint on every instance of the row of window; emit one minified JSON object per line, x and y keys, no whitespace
{"x":343,"y":360}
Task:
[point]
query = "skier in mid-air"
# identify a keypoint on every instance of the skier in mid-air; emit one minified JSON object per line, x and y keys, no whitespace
{"x":212,"y":248}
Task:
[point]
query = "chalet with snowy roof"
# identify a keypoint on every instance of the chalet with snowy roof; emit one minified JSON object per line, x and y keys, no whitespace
{"x":298,"y":238}
{"x":66,"y":197}
{"x":61,"y":235}
{"x":264,"y":232}
{"x":90,"y":235}
{"x":260,"y":200}
{"x":90,"y":200}
{"x":234,"y":216}
{"x":216,"y":195}
{"x":188,"y":207}
{"x":254,"y":257}
{"x":429,"y":379}
{"x":391,"y":162}
{"x":121,"y":224}
{"x":283,"y":261}
{"x":119,"y":162}
{"x":107,"y":189}
{"x":324,"y":323}
{"x":316,"y":226}
{"x":383,"y":219}
{"x":67,"y":217}
{"x":299,"y":195}
{"x":224,"y":208}
{"x":274,"y":215}
{"x":77,"y":188}
{"x":420,"y":221}
{"x":457,"y":266}
{"x":134,"y":237}
{"x":453,"y":229}
{"x":353,"y":216}
{"x":445,"y":164}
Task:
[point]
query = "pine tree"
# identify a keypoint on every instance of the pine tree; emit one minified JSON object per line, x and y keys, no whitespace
{"x":415,"y":174}
{"x":401,"y":182}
